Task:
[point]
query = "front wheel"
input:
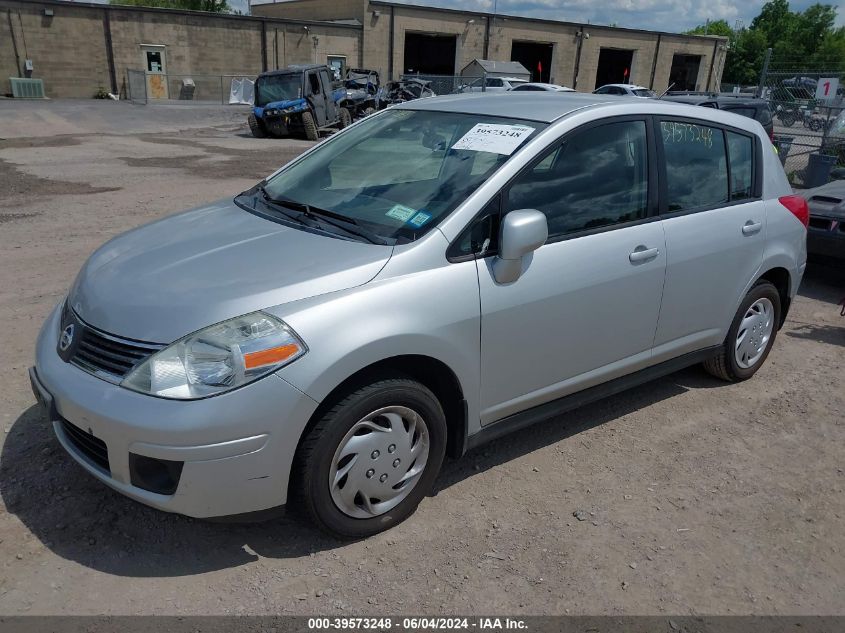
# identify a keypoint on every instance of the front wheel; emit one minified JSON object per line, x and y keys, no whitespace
{"x":310,"y":126}
{"x":370,"y":459}
{"x":255,"y":127}
{"x":750,"y":337}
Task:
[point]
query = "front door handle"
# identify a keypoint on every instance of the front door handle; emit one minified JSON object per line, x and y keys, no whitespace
{"x":642,"y":254}
{"x":751,"y":227}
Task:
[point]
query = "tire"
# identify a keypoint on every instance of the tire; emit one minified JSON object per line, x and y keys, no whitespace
{"x":732,"y":364}
{"x":368,"y":111}
{"x":310,"y":127}
{"x":347,"y":513}
{"x":255,"y":127}
{"x":345,"y":119}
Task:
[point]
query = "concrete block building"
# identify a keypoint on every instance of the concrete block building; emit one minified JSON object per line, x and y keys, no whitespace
{"x":399,"y":38}
{"x":80,"y":48}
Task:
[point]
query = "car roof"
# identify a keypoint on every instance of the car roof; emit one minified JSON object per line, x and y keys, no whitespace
{"x":705,"y":98}
{"x":547,"y":107}
{"x":629,"y":86}
{"x":544,"y":85}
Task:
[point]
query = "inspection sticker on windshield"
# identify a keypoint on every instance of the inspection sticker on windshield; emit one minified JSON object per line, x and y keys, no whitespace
{"x":419,"y":219}
{"x":494,"y":137}
{"x":401,"y":213}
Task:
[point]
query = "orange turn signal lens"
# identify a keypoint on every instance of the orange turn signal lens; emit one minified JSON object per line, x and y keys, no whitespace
{"x":270,"y":356}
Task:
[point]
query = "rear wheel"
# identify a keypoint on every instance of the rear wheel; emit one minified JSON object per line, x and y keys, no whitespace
{"x":310,"y":127}
{"x":345,"y":118}
{"x":255,"y":127}
{"x":750,"y":337}
{"x":370,"y":460}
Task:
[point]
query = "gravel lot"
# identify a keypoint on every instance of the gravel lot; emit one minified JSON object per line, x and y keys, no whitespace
{"x":692,"y":496}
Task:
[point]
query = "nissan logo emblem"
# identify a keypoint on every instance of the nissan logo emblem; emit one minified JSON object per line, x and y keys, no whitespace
{"x":66,"y":338}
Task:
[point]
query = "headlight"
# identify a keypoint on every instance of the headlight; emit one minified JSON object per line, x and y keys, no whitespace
{"x":218,"y":358}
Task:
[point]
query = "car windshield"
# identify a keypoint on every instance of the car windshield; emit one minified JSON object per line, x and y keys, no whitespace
{"x":278,"y":88}
{"x":644,"y":92}
{"x":398,"y":173}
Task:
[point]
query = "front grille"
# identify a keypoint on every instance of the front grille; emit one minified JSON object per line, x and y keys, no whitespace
{"x":91,"y":447}
{"x":104,"y":355}
{"x":98,"y":352}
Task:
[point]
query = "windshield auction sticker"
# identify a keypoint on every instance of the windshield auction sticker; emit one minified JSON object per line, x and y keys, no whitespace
{"x":401,"y":213}
{"x":494,"y":138}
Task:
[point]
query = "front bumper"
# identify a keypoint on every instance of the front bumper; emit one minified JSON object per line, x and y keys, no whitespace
{"x":235,"y":449}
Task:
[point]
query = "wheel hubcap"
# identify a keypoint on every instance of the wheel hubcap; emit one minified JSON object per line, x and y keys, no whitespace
{"x":378,"y":462}
{"x":754,"y":333}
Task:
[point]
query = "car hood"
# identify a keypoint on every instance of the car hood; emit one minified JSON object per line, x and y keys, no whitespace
{"x":167,"y":279}
{"x":827,"y":200}
{"x":279,"y":105}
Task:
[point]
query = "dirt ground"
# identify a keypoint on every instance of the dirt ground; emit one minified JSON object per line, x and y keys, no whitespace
{"x":693,"y":496}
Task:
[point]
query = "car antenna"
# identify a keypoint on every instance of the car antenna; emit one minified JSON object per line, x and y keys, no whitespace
{"x":663,"y":94}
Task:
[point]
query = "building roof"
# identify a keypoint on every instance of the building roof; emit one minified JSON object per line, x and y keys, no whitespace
{"x":492,"y":66}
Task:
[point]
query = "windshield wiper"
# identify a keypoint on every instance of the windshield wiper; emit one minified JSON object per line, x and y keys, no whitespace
{"x":344,"y":223}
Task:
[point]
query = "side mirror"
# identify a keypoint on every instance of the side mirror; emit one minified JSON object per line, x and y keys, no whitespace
{"x":522,"y":232}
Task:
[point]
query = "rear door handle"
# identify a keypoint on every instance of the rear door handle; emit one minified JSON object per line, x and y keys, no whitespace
{"x":642,"y":254}
{"x":751,"y":227}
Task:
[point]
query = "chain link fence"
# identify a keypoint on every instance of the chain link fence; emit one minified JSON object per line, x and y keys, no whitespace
{"x":168,"y":88}
{"x":806,"y":103}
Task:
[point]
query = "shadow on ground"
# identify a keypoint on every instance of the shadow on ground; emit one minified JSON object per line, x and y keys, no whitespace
{"x":82,"y":520}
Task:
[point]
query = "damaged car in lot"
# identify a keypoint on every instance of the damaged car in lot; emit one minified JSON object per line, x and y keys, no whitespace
{"x":826,"y":232}
{"x":361,"y":87}
{"x":435,"y":276}
{"x":299,"y":100}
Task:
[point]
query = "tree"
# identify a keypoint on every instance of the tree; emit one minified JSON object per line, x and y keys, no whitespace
{"x":717,"y":27}
{"x":804,"y":39}
{"x":212,"y":6}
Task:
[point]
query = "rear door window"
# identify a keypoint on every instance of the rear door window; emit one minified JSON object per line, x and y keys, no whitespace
{"x":696,"y":166}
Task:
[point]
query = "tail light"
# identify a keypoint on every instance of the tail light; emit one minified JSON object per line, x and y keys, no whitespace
{"x":798,"y":207}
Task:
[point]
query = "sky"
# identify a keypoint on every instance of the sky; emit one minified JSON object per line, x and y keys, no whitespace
{"x":658,"y":15}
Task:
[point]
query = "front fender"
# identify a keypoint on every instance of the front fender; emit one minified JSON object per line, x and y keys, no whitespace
{"x":433,"y":313}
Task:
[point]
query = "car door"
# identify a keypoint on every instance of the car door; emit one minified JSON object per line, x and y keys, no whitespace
{"x":715,"y":234}
{"x":316,"y":98}
{"x":585,"y":308}
{"x":328,"y":96}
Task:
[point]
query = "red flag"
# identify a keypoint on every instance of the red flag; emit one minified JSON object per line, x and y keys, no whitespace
{"x":540,"y":67}
{"x":625,"y":74}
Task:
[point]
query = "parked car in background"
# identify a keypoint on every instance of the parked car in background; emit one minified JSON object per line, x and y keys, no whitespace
{"x":630,"y":90}
{"x":540,"y":87}
{"x":298,"y":100}
{"x":318,"y":338}
{"x":751,"y":107}
{"x":494,"y":84}
{"x":826,"y":232}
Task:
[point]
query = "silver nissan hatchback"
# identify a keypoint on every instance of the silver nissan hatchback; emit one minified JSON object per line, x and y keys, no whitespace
{"x":433,"y":277}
